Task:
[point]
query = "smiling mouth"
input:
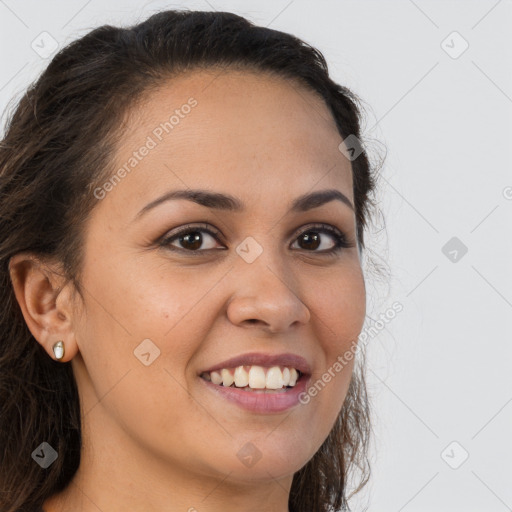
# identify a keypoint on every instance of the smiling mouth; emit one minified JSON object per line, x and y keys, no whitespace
{"x":255,"y":379}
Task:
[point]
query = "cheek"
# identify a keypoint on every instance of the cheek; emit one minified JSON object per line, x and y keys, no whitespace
{"x":339,"y":306}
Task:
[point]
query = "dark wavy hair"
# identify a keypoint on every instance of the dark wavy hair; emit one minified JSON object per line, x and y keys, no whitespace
{"x":58,"y":146}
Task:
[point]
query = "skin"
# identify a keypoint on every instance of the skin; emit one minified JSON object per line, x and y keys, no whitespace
{"x":154,"y":439}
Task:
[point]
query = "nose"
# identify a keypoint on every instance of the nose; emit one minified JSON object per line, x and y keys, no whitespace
{"x":266,"y":296}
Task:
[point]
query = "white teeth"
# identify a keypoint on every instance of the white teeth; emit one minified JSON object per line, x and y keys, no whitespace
{"x":216,"y":378}
{"x":286,"y":376}
{"x":241,"y":377}
{"x":274,"y":378}
{"x":227,"y":378}
{"x":257,"y":377}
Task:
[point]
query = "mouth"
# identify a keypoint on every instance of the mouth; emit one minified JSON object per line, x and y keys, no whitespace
{"x":259,"y":383}
{"x":255,"y":378}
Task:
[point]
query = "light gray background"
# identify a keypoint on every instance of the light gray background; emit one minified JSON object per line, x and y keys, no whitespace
{"x":440,"y":371}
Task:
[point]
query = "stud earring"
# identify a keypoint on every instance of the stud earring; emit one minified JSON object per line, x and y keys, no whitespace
{"x":58,"y":350}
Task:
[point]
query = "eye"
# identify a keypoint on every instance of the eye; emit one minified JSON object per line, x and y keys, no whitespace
{"x":190,"y":239}
{"x":313,"y":239}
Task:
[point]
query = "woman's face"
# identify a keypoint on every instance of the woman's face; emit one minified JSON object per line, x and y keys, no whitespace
{"x":261,"y":280}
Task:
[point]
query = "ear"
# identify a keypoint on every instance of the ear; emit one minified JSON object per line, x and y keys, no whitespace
{"x":46,"y":301}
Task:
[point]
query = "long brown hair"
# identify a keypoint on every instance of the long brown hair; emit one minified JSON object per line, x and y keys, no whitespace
{"x":58,"y":147}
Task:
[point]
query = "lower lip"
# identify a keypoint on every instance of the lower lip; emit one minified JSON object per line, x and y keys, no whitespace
{"x":261,"y":402}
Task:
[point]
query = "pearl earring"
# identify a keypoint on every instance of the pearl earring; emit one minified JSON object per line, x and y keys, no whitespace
{"x":58,"y":350}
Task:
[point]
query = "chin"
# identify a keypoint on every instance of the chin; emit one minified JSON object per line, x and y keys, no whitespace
{"x":259,"y":462}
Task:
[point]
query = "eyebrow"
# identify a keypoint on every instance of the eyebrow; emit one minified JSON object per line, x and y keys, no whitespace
{"x":219,"y":201}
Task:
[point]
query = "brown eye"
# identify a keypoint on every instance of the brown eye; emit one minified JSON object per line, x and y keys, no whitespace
{"x":312,"y":239}
{"x":191,"y":239}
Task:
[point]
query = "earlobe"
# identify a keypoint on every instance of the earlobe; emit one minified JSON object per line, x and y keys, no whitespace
{"x":36,"y":287}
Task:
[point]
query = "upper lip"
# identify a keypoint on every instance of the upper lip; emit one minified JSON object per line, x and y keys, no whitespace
{"x":253,"y":358}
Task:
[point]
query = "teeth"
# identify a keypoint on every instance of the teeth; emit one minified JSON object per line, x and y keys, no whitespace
{"x":227,"y":378}
{"x":286,"y":377}
{"x":254,"y":377}
{"x":216,"y":378}
{"x":241,"y":377}
{"x":257,"y":377}
{"x":274,"y":378}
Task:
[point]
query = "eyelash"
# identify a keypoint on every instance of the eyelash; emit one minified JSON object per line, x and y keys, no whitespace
{"x":340,"y":239}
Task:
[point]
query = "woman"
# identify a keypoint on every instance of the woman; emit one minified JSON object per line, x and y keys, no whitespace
{"x":182,"y":219}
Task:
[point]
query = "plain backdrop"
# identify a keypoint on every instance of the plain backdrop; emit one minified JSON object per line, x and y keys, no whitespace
{"x":436,"y":83}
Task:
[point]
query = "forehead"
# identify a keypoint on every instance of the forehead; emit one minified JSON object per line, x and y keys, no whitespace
{"x":247,"y":132}
{"x":234,"y":90}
